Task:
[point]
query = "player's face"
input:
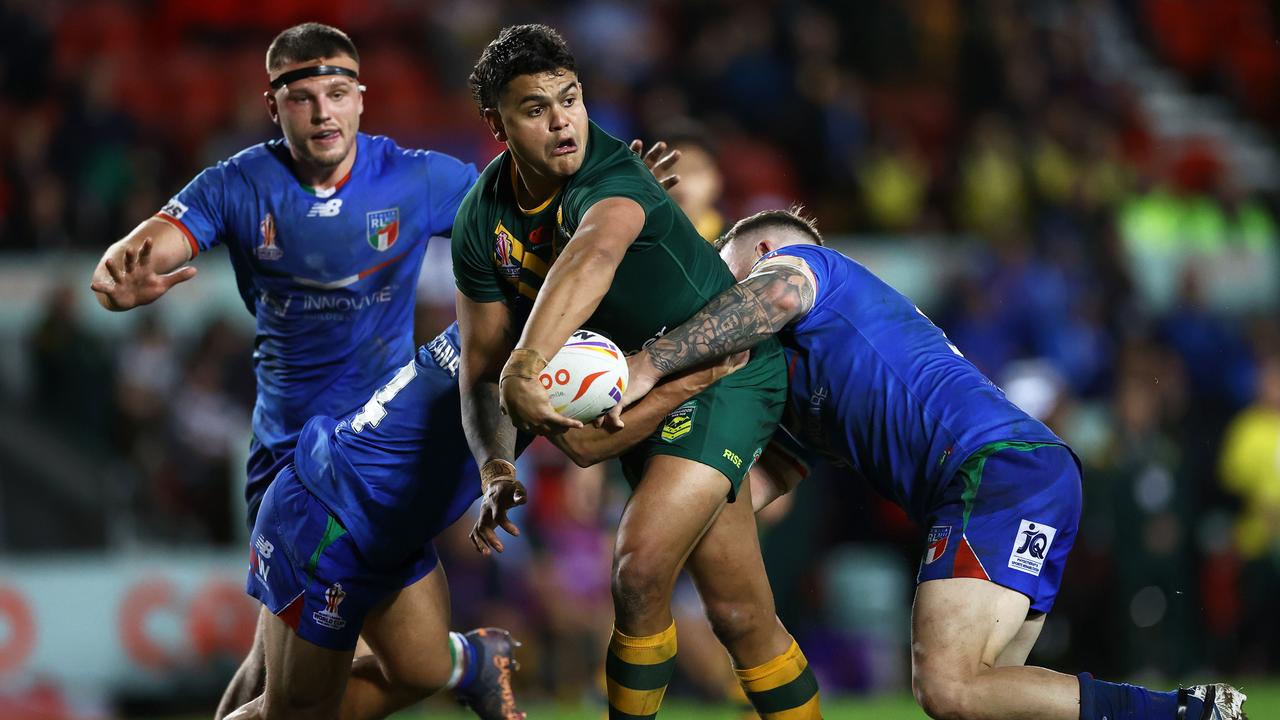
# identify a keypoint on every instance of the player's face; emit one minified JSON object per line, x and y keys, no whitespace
{"x":319,"y":115}
{"x":543,"y":121}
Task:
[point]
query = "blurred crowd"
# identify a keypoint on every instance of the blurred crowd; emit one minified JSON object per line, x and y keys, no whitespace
{"x":1119,"y":284}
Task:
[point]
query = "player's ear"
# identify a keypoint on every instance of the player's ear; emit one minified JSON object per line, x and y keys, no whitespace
{"x":764,"y":247}
{"x":494,"y":122}
{"x":272,"y":109}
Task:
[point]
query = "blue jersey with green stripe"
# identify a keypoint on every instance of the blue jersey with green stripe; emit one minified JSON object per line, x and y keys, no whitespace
{"x":876,"y":385}
{"x":330,"y":277}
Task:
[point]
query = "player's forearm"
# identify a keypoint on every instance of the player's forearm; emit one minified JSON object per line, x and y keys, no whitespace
{"x":490,"y":434}
{"x":169,"y":247}
{"x":589,"y":445}
{"x":573,"y":289}
{"x":486,"y":334}
{"x":737,"y":319}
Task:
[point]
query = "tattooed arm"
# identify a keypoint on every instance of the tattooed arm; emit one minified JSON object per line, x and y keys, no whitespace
{"x":780,"y":290}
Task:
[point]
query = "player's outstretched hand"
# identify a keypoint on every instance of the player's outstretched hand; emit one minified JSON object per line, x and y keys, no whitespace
{"x":525,"y":401}
{"x":128,"y":279}
{"x":499,"y":498}
{"x":659,"y":161}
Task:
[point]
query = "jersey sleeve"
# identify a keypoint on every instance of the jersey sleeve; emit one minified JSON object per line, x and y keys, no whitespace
{"x":448,"y":180}
{"x":816,"y":260}
{"x":627,"y":179}
{"x":473,"y":270}
{"x":199,"y":209}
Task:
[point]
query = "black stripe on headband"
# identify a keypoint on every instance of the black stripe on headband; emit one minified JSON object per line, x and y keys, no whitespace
{"x":312,"y":71}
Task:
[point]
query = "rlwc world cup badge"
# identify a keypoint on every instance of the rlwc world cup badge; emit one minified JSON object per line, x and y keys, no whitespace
{"x":504,"y":252}
{"x":382,"y":227}
{"x":329,"y":616}
{"x":269,"y":250}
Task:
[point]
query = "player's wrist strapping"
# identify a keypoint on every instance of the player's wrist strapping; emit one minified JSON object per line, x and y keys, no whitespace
{"x":495,"y":470}
{"x":524,"y":363}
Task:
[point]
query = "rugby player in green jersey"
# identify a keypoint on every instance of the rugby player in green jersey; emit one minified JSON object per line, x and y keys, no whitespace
{"x":567,"y":229}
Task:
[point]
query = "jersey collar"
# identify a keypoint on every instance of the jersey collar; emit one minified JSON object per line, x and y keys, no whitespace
{"x":287,"y":158}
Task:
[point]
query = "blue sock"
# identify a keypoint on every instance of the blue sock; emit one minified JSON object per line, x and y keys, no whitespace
{"x":1110,"y":701}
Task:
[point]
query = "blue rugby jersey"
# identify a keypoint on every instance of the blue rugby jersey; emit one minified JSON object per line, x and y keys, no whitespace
{"x":874,"y":384}
{"x":395,"y":473}
{"x":330,"y":276}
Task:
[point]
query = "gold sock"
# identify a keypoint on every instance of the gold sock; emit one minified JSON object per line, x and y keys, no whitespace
{"x":783,"y":688}
{"x":637,"y":672}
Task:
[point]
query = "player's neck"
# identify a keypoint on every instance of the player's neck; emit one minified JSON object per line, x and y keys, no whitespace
{"x":323,"y":177}
{"x":532,"y":190}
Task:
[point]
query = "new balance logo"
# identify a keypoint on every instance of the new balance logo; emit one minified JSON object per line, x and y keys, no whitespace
{"x":264,"y":546}
{"x":258,"y":556}
{"x":327,"y":208}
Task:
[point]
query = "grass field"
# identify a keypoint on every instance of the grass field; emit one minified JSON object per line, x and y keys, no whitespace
{"x":1263,"y":704}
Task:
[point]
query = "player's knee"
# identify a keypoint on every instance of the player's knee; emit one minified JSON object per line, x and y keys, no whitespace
{"x":942,"y":697}
{"x":734,"y":620}
{"x":639,"y":584}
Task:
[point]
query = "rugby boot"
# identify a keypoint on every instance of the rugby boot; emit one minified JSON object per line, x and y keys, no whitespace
{"x":1221,"y":702}
{"x":489,"y":695}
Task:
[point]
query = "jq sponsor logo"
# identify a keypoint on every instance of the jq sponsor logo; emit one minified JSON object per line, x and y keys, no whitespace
{"x":1031,"y":546}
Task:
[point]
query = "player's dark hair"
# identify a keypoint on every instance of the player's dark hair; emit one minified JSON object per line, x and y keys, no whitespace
{"x":518,"y":50}
{"x":793,"y":218}
{"x":308,"y":41}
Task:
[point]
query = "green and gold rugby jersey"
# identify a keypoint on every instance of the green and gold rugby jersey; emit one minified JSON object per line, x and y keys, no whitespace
{"x":501,"y":252}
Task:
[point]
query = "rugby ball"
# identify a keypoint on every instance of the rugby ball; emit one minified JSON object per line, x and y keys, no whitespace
{"x":586,"y":377}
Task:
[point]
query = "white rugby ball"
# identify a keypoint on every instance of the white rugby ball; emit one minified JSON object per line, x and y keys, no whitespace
{"x":586,"y":377}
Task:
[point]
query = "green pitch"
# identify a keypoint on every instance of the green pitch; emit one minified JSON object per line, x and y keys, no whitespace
{"x":891,"y":708}
{"x":1264,"y":702}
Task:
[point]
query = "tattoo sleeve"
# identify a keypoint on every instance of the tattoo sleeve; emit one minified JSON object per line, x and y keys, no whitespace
{"x":736,"y":319}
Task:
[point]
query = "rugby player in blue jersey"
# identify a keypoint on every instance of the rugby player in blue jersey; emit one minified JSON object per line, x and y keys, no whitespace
{"x":878,"y":388}
{"x":328,"y":575}
{"x":326,"y":229}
